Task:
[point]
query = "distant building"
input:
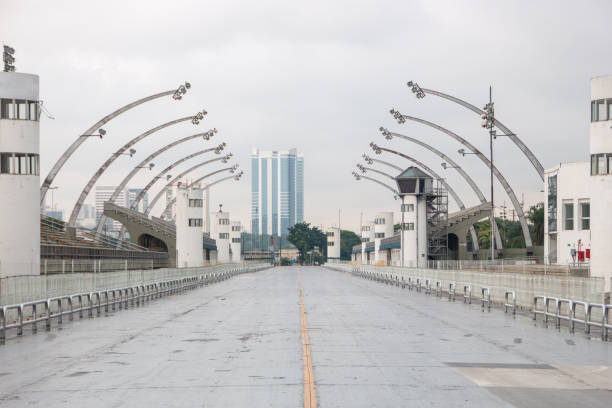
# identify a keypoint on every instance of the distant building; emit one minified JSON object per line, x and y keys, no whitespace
{"x":220,"y":232}
{"x":103,"y":193}
{"x":277,"y":191}
{"x":333,"y":243}
{"x":132,"y":193}
{"x":235,"y":241}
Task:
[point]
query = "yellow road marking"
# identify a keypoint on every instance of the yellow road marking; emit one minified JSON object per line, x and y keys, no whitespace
{"x":310,"y":396}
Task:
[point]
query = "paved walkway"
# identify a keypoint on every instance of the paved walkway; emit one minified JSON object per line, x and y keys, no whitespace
{"x":239,"y":344}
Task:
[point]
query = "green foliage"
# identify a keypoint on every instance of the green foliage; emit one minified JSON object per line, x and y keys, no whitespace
{"x":510,"y":231}
{"x":305,"y":238}
{"x":535,"y":215}
{"x":348,"y":239}
{"x":285,"y":261}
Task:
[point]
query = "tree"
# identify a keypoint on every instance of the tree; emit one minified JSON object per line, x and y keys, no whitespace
{"x":348,"y":239}
{"x":535,"y":215}
{"x":305,"y":238}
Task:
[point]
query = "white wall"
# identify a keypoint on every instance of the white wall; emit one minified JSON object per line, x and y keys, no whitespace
{"x":19,"y":194}
{"x":220,"y":227}
{"x":386,"y":227}
{"x":574,"y":185}
{"x":235,"y":229}
{"x":189,"y":239}
{"x":333,"y":243}
{"x":601,"y":188}
{"x":415,"y":241}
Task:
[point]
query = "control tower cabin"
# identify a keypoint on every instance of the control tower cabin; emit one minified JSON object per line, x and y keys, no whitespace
{"x":19,"y":175}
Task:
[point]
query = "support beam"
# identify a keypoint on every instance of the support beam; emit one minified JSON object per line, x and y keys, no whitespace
{"x":518,"y":142}
{"x":177,"y":95}
{"x":389,"y":135}
{"x":509,"y":191}
{"x":110,"y":160}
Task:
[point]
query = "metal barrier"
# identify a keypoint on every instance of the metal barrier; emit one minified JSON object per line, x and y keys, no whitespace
{"x":438,"y":288}
{"x":451,"y":291}
{"x":560,"y":316}
{"x":467,"y":294}
{"x":485,"y":297}
{"x":574,"y":319}
{"x":536,"y":312}
{"x":57,"y":307}
{"x":508,"y":304}
{"x":427,"y":286}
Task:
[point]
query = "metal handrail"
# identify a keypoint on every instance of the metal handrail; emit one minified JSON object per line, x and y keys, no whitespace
{"x":467,"y":294}
{"x":119,"y":298}
{"x":507,"y":304}
{"x":485,"y":297}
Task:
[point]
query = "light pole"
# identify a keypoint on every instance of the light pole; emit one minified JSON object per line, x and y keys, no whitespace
{"x":177,"y":94}
{"x":489,"y":122}
{"x":421,"y":92}
{"x":142,"y":165}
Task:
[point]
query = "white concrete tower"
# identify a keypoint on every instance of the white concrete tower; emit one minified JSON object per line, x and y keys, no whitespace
{"x":367,"y":235}
{"x":19,"y":175}
{"x":383,"y":228}
{"x":333,"y":243}
{"x":601,"y":177}
{"x":235,"y":241}
{"x":220,"y":232}
{"x":414,"y":185}
{"x":189,"y":232}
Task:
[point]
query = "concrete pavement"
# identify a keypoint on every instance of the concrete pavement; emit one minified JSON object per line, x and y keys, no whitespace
{"x":238,"y":344}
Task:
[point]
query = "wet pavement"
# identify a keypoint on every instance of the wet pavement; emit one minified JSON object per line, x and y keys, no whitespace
{"x":238,"y":344}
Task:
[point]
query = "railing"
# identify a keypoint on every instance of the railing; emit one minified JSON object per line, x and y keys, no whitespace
{"x":117,"y":298}
{"x":565,"y":309}
{"x":569,"y":314}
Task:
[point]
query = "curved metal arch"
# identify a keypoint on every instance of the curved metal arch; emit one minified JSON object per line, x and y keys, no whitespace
{"x":393,"y":166}
{"x":427,"y":169}
{"x":487,"y":162}
{"x":135,"y":170}
{"x":518,"y":142}
{"x":221,"y":180}
{"x":389,"y":135}
{"x":171,"y":203}
{"x":83,"y":196}
{"x":395,"y":192}
{"x":174,"y":180}
{"x":75,"y":145}
{"x":450,"y":190}
{"x":382,"y":173}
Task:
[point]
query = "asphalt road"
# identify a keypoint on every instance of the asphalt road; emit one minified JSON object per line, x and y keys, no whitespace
{"x":239,"y":344}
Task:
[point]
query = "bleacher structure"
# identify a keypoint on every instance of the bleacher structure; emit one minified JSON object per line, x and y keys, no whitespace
{"x":59,"y":242}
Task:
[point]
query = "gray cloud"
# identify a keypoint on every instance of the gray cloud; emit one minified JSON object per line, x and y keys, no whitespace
{"x":318,"y":76}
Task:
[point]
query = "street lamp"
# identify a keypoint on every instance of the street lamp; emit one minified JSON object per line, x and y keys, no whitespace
{"x":446,"y":166}
{"x":130,"y":153}
{"x":9,"y":59}
{"x":100,"y":134}
{"x":416,"y":89}
{"x":198,"y":117}
{"x":150,"y":166}
{"x":180,"y":91}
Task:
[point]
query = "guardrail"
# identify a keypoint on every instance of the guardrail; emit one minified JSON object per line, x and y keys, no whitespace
{"x":571,"y":317}
{"x":564,"y":309}
{"x":117,"y":298}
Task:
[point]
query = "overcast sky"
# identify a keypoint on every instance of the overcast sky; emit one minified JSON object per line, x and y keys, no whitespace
{"x":319,"y":76}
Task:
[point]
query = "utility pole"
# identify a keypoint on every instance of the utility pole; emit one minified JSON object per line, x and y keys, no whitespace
{"x":489,"y":117}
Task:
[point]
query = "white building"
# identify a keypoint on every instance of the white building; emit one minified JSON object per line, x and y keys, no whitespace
{"x":383,"y":228}
{"x":578,"y":195}
{"x":19,"y":175}
{"x":220,"y":232}
{"x":104,"y":193}
{"x":333,"y":243}
{"x":414,"y":185}
{"x":235,"y":241}
{"x":189,"y":232}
